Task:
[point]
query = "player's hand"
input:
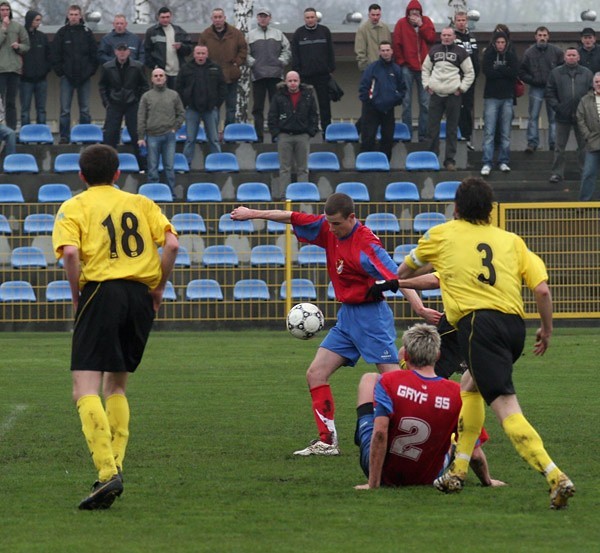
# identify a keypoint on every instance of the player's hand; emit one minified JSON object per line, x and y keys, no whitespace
{"x":431,"y":316}
{"x":376,"y":291}
{"x":241,"y":213}
{"x":496,"y":483}
{"x":362,"y":487}
{"x":157,"y":296}
{"x":542,"y":342}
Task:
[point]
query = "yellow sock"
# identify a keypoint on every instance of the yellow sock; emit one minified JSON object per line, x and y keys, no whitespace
{"x":470,"y":422}
{"x":529,"y":446}
{"x":117,"y":411}
{"x":96,"y":430}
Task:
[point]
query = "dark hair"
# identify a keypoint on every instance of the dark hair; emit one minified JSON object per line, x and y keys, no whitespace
{"x":310,"y":10}
{"x":339,"y":203}
{"x":10,"y":13}
{"x":98,"y":164}
{"x":542,"y":28}
{"x":385,"y":42}
{"x":374,"y":7}
{"x":474,"y":201}
{"x":164,"y":9}
{"x":502,"y":27}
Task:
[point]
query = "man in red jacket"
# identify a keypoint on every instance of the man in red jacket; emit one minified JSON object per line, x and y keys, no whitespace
{"x":413,"y":35}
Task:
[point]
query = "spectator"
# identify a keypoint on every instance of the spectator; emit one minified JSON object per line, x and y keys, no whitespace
{"x":166,"y":46}
{"x":447,"y":74}
{"x":500,"y":67}
{"x":313,"y":59}
{"x":589,"y":51}
{"x":202,"y":88}
{"x":75,"y":60}
{"x":293,"y":120}
{"x":413,"y":35}
{"x":122,"y":83}
{"x":120,"y":35}
{"x":7,"y":135}
{"x":269,"y":53}
{"x":566,"y":86}
{"x":36,"y":66}
{"x":538,"y":61}
{"x":14,"y":42}
{"x":228,"y":48}
{"x":369,"y":36}
{"x":160,"y":114}
{"x":381,"y":89}
{"x":466,"y":39}
{"x":588,"y":122}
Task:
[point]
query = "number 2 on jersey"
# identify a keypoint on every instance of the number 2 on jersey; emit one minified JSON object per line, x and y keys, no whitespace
{"x":130,"y":236}
{"x":417,"y":432}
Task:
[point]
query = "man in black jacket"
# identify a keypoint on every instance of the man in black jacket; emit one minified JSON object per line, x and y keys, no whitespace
{"x":202,"y":88}
{"x":292,"y":122}
{"x":121,"y":86}
{"x":75,"y":60}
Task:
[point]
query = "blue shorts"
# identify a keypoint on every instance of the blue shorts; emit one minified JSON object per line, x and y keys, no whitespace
{"x":364,"y":329}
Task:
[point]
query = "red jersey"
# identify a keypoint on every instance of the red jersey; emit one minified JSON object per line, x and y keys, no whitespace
{"x":423,"y":414}
{"x":354,"y":262}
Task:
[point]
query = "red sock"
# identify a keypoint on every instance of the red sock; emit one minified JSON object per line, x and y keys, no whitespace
{"x":323,"y":411}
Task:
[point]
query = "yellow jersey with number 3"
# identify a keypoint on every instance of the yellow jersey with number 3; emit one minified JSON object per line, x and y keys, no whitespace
{"x":116,"y":233}
{"x":479,"y":266}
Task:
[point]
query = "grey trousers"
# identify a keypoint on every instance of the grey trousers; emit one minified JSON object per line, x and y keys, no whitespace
{"x":438,"y":105}
{"x":293,"y":152}
{"x":562,"y":137}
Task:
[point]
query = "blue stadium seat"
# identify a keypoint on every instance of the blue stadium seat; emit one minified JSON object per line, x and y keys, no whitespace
{"x":267,"y":162}
{"x":341,"y":132}
{"x":302,"y":289}
{"x":125,"y":136}
{"x":239,"y":132}
{"x":223,"y":162}
{"x":445,"y":190}
{"x":181,"y":135}
{"x":443,"y":131}
{"x":424,"y":221}
{"x":227,"y":224}
{"x":358,"y":191}
{"x":203,"y":289}
{"x":204,"y":192}
{"x":382,"y":222}
{"x":156,"y":191}
{"x":38,"y":223}
{"x":220,"y":256}
{"x":323,"y":161}
{"x":11,"y":194}
{"x":402,"y":192}
{"x":66,"y":163}
{"x":20,"y":163}
{"x":4,"y":226}
{"x":128,"y":163}
{"x":16,"y":290}
{"x":251,"y":289}
{"x":401,"y":132}
{"x":58,"y":290}
{"x":422,"y":161}
{"x":36,"y":134}
{"x":28,"y":256}
{"x":274,"y":227}
{"x":183,"y":257}
{"x":312,"y":255}
{"x":86,"y":133}
{"x":188,"y":223}
{"x":401,"y":251}
{"x":169,"y":293}
{"x":180,"y":164}
{"x":54,"y":193}
{"x":372,"y":161}
{"x":253,"y":192}
{"x":302,"y":192}
{"x":266,"y":255}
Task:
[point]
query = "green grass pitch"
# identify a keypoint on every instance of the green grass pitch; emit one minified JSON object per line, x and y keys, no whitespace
{"x":215,"y":417}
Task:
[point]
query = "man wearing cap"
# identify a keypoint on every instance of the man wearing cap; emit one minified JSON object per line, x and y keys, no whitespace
{"x":120,"y":34}
{"x":122,"y":83}
{"x":589,"y":52}
{"x":268,"y":53}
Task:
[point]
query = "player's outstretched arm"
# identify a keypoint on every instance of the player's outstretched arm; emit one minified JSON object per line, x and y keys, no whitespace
{"x":480,"y":467}
{"x":543,"y":299}
{"x":243,"y":213}
{"x":377,"y":453}
{"x":431,"y":316}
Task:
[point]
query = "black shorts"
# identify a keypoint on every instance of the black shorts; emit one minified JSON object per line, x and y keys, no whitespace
{"x":491,"y":342}
{"x":451,"y":359}
{"x":112,"y":326}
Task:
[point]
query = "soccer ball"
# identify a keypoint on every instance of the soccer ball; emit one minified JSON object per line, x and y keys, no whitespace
{"x":305,"y":320}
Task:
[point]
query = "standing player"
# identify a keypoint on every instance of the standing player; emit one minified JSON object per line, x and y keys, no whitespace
{"x":365,"y":327}
{"x":481,"y":268}
{"x":107,"y":239}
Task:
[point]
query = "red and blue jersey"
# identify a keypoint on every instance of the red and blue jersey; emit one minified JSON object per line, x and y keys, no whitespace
{"x":354,"y":262}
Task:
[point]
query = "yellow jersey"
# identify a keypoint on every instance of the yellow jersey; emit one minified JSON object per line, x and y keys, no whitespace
{"x":116,"y":233}
{"x":479,"y":266}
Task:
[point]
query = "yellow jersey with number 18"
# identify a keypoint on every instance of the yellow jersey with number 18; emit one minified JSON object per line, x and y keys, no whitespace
{"x":479,"y":266}
{"x":116,"y":233}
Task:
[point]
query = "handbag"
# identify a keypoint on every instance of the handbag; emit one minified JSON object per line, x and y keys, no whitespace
{"x":519,"y":88}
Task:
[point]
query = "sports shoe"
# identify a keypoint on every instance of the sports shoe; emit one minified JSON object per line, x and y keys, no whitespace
{"x":317,"y":447}
{"x":449,"y":482}
{"x":470,"y":146}
{"x":530,"y":149}
{"x":561,"y":491}
{"x":555,"y":178}
{"x":103,"y":494}
{"x":504,"y":168}
{"x":486,"y":170}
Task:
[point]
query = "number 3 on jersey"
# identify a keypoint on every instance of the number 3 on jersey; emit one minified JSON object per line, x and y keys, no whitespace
{"x":486,"y":261}
{"x":132,"y":243}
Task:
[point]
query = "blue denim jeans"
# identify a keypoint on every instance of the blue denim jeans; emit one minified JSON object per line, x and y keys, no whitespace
{"x":411,"y":76}
{"x":211,"y":124}
{"x":66,"y":97}
{"x":496,"y":112}
{"x":536,"y":97}
{"x":591,"y":167}
{"x":29,"y":91}
{"x":10,"y":137}
{"x":162,"y":145}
